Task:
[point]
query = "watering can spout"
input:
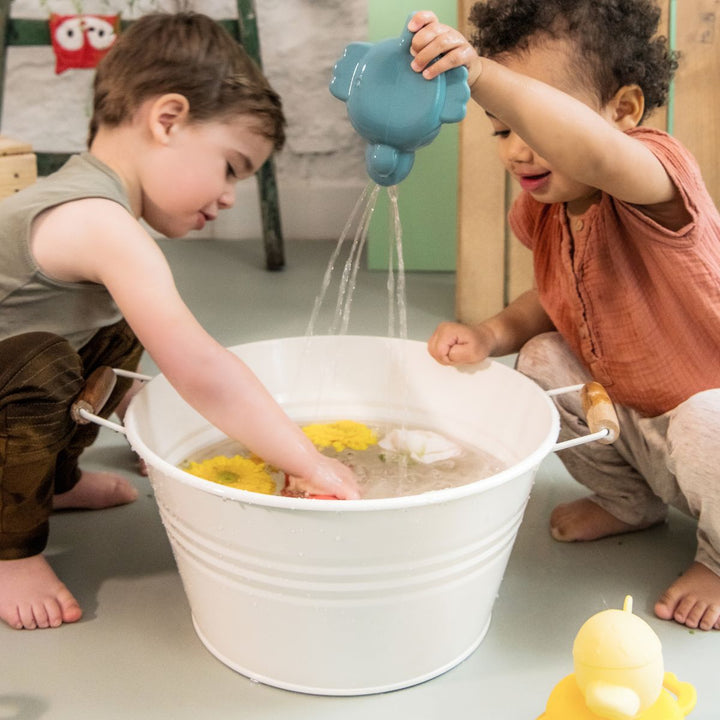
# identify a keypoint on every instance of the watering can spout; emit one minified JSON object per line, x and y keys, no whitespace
{"x":387,"y":165}
{"x":395,"y":109}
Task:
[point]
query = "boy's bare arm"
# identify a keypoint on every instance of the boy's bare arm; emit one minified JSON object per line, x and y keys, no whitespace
{"x":112,"y":249}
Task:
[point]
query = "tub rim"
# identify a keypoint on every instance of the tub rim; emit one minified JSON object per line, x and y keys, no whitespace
{"x":528,"y":464}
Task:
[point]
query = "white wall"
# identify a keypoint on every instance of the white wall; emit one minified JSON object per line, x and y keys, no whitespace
{"x":321,"y":170}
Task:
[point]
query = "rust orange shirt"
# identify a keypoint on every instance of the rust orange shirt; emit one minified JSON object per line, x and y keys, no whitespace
{"x":638,"y":304}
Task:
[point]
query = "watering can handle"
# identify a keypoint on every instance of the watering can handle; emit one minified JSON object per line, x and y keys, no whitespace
{"x":406,"y":37}
{"x":599,"y":413}
{"x":95,"y":393}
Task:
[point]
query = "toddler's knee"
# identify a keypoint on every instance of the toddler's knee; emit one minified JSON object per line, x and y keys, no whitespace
{"x":537,"y":353}
{"x":699,"y":414}
{"x":692,"y":433}
{"x":548,"y":360}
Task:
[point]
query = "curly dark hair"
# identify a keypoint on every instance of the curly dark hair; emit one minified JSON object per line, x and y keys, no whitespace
{"x":615,"y":39}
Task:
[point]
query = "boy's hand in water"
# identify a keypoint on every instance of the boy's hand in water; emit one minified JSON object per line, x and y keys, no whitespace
{"x":456,"y":344}
{"x":329,"y":478}
{"x":433,"y":40}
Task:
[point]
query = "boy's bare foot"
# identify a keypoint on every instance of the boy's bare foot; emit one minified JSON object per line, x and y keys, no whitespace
{"x":95,"y":491}
{"x":32,"y":596}
{"x":693,"y":599}
{"x":583,"y":520}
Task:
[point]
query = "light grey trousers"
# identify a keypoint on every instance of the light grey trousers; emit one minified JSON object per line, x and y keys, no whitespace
{"x":672,"y":459}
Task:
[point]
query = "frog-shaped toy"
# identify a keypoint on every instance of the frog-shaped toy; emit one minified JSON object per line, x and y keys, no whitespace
{"x":393,"y":107}
{"x":619,"y":674}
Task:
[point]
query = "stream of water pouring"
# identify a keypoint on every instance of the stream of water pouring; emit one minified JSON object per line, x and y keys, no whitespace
{"x":397,"y":307}
{"x":396,"y":288}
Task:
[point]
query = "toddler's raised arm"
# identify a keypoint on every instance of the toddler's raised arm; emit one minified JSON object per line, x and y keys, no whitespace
{"x":565,"y":127}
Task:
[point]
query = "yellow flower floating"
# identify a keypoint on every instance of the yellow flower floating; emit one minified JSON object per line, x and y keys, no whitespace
{"x":238,"y":472}
{"x":340,"y":435}
{"x":252,"y":473}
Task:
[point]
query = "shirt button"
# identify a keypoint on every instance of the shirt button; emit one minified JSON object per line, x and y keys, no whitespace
{"x":579,"y":224}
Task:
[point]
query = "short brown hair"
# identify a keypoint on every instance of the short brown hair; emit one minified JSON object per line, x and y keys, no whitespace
{"x":190,"y":54}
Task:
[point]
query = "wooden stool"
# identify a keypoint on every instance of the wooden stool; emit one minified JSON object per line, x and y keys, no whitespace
{"x":18,"y":166}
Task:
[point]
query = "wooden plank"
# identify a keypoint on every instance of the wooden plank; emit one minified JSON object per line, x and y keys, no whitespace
{"x":13,"y":146}
{"x":480,"y":273}
{"x":659,"y":118}
{"x":520,"y":273}
{"x":16,"y":172}
{"x":697,"y":86}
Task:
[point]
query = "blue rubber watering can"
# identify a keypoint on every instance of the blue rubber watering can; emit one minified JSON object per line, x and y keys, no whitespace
{"x":393,"y":107}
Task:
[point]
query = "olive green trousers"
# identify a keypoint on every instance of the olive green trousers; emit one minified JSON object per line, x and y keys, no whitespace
{"x":40,"y":377}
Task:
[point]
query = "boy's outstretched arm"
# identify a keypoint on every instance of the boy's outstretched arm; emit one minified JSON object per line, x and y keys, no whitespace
{"x":569,"y":134}
{"x":97,"y":240}
{"x":457,"y":344}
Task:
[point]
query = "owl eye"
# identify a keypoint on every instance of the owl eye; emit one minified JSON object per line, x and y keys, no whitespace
{"x":100,"y":33}
{"x":69,"y":34}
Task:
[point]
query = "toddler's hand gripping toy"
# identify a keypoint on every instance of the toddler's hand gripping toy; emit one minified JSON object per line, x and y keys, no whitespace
{"x":393,"y":107}
{"x":619,"y":674}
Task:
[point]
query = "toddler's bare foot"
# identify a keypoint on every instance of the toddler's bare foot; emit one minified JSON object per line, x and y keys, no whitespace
{"x":693,"y":599}
{"x":95,"y":491}
{"x":32,"y":596}
{"x":583,"y":520}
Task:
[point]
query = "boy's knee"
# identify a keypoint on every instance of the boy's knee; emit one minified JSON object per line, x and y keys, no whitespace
{"x":39,"y":367}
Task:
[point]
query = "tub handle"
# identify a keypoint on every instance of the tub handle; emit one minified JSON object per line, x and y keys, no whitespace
{"x":95,"y":393}
{"x":599,"y":413}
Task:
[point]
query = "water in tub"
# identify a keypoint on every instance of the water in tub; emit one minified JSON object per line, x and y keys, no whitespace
{"x":390,"y":460}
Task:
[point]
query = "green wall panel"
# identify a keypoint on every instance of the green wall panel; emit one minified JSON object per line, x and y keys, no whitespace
{"x":427,"y":198}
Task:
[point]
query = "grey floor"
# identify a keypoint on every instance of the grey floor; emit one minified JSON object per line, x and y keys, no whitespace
{"x":135,"y":653}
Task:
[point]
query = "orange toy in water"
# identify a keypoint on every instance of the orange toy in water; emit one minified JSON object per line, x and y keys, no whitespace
{"x":619,"y":674}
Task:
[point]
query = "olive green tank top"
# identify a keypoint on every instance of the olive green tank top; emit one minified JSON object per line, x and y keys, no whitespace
{"x":29,"y":299}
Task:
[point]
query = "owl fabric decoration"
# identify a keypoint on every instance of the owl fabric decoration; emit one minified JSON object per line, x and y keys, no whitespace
{"x":80,"y":41}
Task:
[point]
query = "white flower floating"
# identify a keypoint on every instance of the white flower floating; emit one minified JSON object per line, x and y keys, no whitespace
{"x":423,"y":446}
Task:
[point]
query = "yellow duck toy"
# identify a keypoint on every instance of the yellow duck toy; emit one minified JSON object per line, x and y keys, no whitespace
{"x":619,"y":674}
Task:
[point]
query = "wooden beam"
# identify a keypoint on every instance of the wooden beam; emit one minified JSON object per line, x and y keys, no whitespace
{"x":480,"y":273}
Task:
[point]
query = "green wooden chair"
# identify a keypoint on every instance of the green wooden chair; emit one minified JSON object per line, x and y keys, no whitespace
{"x":26,"y":32}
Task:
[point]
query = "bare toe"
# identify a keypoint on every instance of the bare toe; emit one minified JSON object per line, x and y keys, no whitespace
{"x":32,"y":596}
{"x":693,"y":599}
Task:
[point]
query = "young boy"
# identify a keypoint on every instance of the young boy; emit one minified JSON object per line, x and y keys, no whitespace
{"x":626,"y":251}
{"x":180,"y":115}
